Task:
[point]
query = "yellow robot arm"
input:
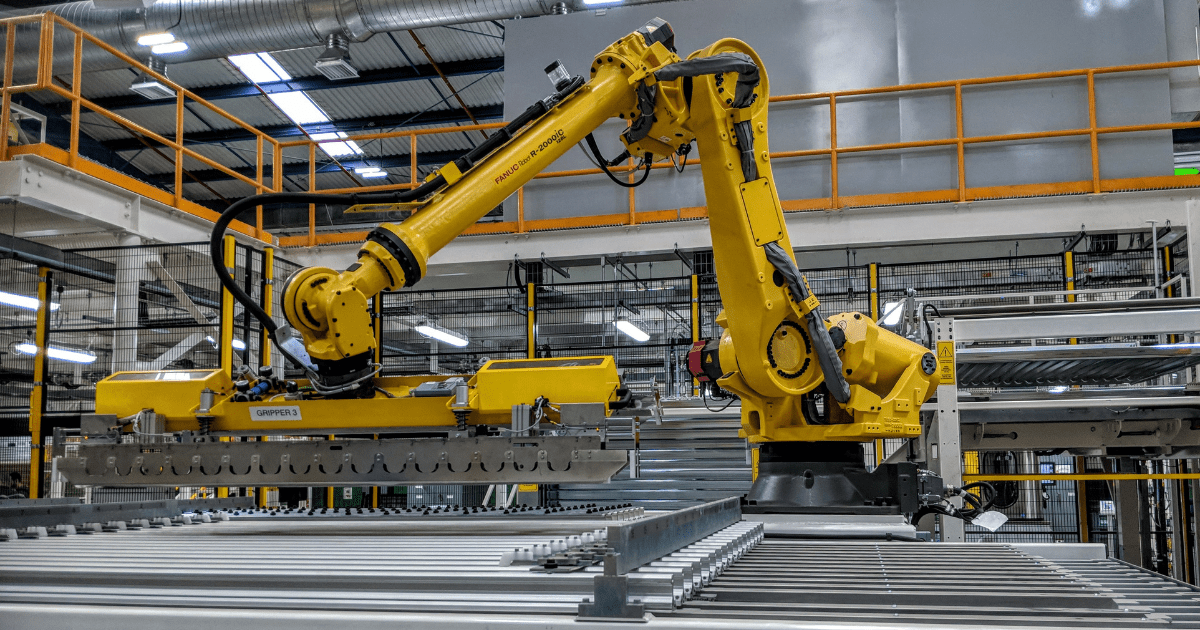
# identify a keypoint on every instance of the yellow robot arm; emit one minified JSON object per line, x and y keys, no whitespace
{"x":777,"y":352}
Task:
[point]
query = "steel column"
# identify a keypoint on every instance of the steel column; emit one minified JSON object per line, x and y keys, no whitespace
{"x":944,"y":439}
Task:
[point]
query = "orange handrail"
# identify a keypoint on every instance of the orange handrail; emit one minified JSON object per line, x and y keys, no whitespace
{"x":45,"y":81}
{"x":837,"y":199}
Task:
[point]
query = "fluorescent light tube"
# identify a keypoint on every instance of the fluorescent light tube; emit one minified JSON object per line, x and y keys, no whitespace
{"x":155,"y":39}
{"x":23,"y":301}
{"x":166,"y":49}
{"x":631,"y":329}
{"x":62,"y":354}
{"x":299,"y":107}
{"x":442,"y":335}
{"x":370,"y":172}
{"x":336,"y":149}
{"x":260,"y":67}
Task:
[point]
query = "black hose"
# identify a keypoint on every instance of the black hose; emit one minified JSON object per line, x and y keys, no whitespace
{"x":216,"y":243}
{"x":604,"y":164}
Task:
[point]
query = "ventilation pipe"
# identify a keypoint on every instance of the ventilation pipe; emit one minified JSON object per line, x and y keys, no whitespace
{"x":219,"y":28}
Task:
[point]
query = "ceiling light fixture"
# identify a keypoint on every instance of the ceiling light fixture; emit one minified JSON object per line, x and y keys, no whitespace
{"x":299,"y":107}
{"x":336,"y":149}
{"x":62,"y":354}
{"x":370,"y":172}
{"x":631,"y":329}
{"x":260,"y":67}
{"x":434,"y":331}
{"x":600,"y":3}
{"x":23,"y":301}
{"x":166,"y":49}
{"x":155,"y":39}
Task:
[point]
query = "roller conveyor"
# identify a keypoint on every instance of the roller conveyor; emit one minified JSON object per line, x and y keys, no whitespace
{"x":410,"y":572}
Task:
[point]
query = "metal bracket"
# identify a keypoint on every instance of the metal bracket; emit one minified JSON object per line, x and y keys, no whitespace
{"x":610,"y":599}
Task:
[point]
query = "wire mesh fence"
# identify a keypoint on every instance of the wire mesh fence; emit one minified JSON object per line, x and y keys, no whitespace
{"x":451,"y":331}
{"x":1037,"y":511}
{"x":980,"y":282}
{"x":646,"y":325}
{"x":18,"y":320}
{"x":149,"y":307}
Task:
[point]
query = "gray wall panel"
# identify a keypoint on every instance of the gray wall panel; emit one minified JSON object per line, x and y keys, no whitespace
{"x":821,"y":45}
{"x":807,"y":45}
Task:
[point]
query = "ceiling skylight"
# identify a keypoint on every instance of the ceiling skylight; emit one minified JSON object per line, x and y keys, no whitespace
{"x":260,"y":67}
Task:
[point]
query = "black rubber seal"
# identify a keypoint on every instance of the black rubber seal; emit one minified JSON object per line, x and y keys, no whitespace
{"x":398,"y":248}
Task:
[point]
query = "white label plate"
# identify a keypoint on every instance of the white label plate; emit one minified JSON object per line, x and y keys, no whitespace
{"x":275,"y":413}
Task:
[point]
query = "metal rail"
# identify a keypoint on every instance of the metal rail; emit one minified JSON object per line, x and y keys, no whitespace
{"x":268,"y":161}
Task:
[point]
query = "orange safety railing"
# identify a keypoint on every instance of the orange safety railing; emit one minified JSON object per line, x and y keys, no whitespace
{"x":835,"y":200}
{"x":47,"y":81}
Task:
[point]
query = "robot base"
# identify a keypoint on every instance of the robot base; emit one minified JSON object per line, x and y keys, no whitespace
{"x":829,"y":478}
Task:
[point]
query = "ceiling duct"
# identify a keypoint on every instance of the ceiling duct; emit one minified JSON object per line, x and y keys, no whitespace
{"x":334,"y":63}
{"x":219,"y":28}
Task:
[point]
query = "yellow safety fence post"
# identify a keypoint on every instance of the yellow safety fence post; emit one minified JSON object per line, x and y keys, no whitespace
{"x":375,"y":489}
{"x":226,"y":351}
{"x":873,"y":282}
{"x":531,"y":319}
{"x":695,"y":324}
{"x":37,"y":398}
{"x":329,"y":492}
{"x":264,"y":343}
{"x":1081,"y":500}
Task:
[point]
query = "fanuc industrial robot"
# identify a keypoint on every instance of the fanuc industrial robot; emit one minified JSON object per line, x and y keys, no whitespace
{"x":812,"y":390}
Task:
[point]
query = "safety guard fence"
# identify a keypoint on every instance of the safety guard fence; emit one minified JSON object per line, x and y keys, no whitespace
{"x":1143,"y":512}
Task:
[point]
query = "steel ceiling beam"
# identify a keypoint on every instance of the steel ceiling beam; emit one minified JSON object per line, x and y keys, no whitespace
{"x":485,"y":113}
{"x":309,"y":83}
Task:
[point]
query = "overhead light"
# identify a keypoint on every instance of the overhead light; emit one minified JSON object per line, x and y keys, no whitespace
{"x":23,"y":301}
{"x":155,"y":39}
{"x":1057,"y":390}
{"x":148,"y":85}
{"x":299,"y":107}
{"x":166,"y":49}
{"x":260,"y":67}
{"x":334,"y":62}
{"x":631,"y":329}
{"x":336,"y":149}
{"x":62,"y":354}
{"x":237,"y":344}
{"x":892,"y":312}
{"x":600,"y":3}
{"x":370,"y":172}
{"x":434,"y":331}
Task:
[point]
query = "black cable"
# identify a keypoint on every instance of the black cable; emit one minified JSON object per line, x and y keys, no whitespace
{"x":704,"y":399}
{"x":216,"y":243}
{"x":604,"y":164}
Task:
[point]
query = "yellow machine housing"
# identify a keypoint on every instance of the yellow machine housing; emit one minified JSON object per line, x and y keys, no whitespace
{"x":176,"y":397}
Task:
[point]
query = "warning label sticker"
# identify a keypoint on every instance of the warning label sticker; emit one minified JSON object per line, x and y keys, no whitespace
{"x":945,"y":354}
